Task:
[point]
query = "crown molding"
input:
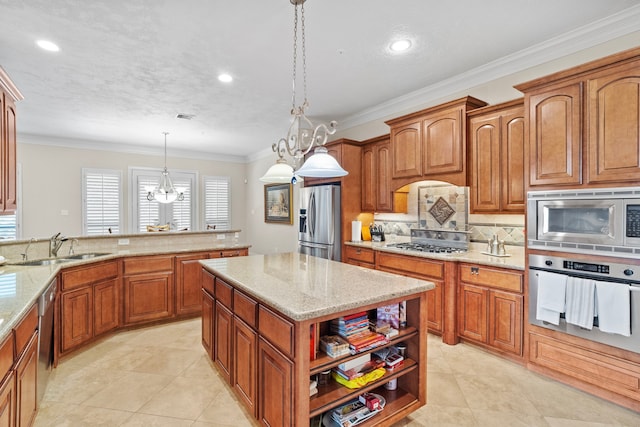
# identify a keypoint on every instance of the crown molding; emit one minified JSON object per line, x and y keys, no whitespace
{"x":82,"y":144}
{"x":585,"y":37}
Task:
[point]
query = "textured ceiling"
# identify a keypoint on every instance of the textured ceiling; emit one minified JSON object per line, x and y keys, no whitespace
{"x":126,"y":68}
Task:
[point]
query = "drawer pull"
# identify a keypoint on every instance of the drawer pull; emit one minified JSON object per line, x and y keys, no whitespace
{"x":475,"y":270}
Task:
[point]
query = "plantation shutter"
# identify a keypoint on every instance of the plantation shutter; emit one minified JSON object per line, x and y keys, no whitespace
{"x":217,"y":203}
{"x":102,"y":202}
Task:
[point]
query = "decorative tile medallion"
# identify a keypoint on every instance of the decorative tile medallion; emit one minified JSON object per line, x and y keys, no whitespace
{"x":441,"y":210}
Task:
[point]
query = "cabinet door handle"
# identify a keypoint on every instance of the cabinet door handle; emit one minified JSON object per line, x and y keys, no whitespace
{"x":475,"y":270}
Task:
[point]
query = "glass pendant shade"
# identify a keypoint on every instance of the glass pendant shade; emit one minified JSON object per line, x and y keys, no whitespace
{"x":321,"y":165}
{"x":279,"y":173}
{"x":165,"y":193}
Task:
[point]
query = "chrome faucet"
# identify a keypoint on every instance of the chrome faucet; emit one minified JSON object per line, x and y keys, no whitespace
{"x":25,"y":255}
{"x":54,"y":244}
{"x":71,"y":247}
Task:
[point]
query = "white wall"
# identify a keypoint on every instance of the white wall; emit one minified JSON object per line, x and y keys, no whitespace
{"x":52,"y":183}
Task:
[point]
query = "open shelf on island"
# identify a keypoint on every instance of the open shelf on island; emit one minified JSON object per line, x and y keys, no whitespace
{"x":324,"y":362}
{"x":335,"y":394}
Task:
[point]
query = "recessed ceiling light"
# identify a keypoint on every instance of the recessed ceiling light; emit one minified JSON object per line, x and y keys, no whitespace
{"x":47,"y":45}
{"x":400,"y":45}
{"x":225,"y":78}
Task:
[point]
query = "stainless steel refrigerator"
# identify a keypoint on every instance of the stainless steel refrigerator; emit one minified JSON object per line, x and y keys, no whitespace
{"x":319,"y":221}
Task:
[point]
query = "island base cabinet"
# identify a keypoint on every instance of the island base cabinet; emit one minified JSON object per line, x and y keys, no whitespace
{"x":26,"y":384}
{"x":275,"y":387}
{"x":8,"y":401}
{"x":208,"y":308}
{"x":245,"y":341}
{"x":222,"y":340}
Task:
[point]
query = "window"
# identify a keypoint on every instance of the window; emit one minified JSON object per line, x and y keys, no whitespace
{"x":179,"y":214}
{"x":8,"y":227}
{"x":217,"y":203}
{"x":101,"y":201}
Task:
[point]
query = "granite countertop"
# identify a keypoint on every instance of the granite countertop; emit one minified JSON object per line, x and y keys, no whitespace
{"x":515,"y":260}
{"x":304,"y":287}
{"x":20,"y":286}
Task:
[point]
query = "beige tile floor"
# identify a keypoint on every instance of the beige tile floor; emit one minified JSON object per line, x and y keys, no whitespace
{"x":160,"y":376}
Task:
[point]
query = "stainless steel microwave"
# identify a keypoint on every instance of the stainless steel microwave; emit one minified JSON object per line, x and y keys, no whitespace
{"x":595,"y":220}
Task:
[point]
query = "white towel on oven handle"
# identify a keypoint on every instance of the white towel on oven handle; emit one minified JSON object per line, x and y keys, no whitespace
{"x":614,"y":308}
{"x":551,"y":296}
{"x":580,"y":302}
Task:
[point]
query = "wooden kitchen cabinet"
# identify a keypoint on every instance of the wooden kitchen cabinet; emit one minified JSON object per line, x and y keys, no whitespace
{"x":275,"y":382}
{"x":431,"y":143}
{"x":188,"y":283}
{"x":496,"y":147}
{"x":9,"y":95}
{"x":77,"y":318}
{"x":584,"y":124}
{"x":223,"y":340}
{"x":8,"y":400}
{"x":377,"y":195}
{"x":89,"y":304}
{"x":27,"y":384}
{"x":149,"y":289}
{"x":613,"y":112}
{"x":245,"y":348}
{"x":364,"y":257}
{"x":426,"y":269}
{"x":490,"y":307}
{"x":208,"y":312}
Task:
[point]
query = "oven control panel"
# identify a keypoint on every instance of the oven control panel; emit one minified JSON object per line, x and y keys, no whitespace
{"x":585,"y":266}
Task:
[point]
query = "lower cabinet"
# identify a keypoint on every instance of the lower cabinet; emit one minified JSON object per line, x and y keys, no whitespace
{"x":148,"y":289}
{"x":245,"y":342}
{"x":490,"y":307}
{"x":8,"y":400}
{"x":222,"y":340}
{"x":26,"y":384}
{"x":364,"y":257}
{"x":275,"y":382}
{"x":188,"y":284}
{"x":208,"y":310}
{"x":89,"y":304}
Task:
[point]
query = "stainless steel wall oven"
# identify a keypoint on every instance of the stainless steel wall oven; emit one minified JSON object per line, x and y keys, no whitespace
{"x":605,"y":296}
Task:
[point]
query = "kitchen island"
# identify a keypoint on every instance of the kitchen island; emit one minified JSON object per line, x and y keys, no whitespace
{"x":262,"y":317}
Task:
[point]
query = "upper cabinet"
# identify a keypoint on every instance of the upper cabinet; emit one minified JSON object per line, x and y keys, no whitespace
{"x":9,"y":94}
{"x":496,"y":150}
{"x":431,"y":143}
{"x":377,"y":195}
{"x":584,"y":124}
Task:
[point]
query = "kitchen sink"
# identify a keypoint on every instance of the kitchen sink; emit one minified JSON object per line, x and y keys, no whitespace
{"x":61,"y":260}
{"x":48,"y":261}
{"x":86,"y":256}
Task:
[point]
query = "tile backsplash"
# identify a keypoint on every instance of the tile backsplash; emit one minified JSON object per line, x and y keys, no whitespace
{"x":421,"y":213}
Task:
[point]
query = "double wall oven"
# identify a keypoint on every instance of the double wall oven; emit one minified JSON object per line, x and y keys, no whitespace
{"x":597,"y":293}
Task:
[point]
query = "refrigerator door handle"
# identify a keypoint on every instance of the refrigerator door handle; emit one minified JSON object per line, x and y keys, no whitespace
{"x":312,"y":215}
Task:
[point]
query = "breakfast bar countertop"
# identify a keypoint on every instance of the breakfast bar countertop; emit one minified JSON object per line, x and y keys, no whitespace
{"x":303,"y":287}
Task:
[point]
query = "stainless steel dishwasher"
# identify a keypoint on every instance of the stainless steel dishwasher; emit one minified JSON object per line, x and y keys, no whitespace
{"x":45,"y":341}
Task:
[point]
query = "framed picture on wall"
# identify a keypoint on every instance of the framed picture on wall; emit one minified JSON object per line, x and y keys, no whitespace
{"x":278,"y":203}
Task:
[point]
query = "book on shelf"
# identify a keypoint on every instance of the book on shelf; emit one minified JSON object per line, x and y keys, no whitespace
{"x":334,"y":345}
{"x":355,"y":362}
{"x":389,"y":314}
{"x":366,"y":341}
{"x":351,"y":414}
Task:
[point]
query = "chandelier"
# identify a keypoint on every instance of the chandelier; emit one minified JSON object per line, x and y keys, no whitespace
{"x":165,"y":192}
{"x":302,"y":135}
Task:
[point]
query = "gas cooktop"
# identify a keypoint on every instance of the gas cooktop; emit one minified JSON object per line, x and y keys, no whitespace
{"x":426,"y":247}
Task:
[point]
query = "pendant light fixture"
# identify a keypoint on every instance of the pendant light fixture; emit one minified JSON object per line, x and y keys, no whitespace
{"x":303,"y":135}
{"x":165,"y":192}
